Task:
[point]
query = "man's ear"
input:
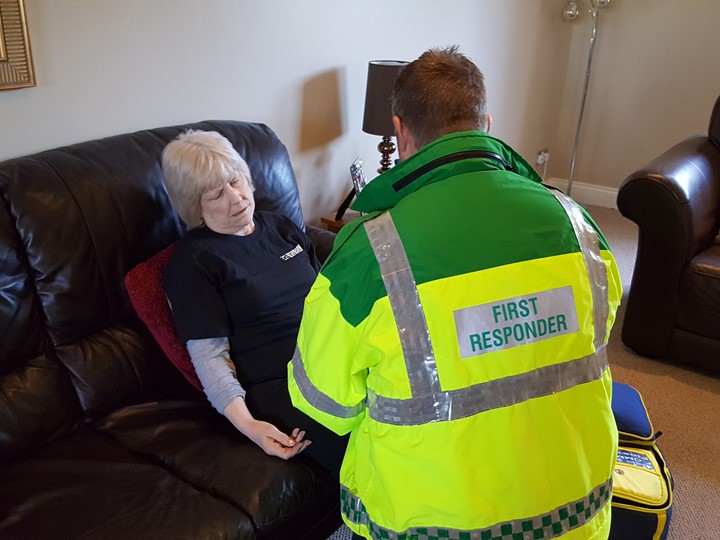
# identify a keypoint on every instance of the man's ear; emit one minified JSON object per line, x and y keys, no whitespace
{"x":488,"y":122}
{"x":405,"y":140}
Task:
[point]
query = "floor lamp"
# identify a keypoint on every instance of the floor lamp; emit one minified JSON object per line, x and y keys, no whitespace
{"x":569,"y":14}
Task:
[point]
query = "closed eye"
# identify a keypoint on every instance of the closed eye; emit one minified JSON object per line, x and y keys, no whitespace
{"x":213,"y":195}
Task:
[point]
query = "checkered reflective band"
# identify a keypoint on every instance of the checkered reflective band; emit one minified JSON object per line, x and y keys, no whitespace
{"x":549,"y":525}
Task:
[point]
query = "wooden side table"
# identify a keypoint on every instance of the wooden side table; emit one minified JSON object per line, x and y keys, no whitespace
{"x":334,"y":225}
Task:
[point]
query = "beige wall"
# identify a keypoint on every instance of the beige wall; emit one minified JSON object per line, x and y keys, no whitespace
{"x":655,"y":77}
{"x":105,"y":67}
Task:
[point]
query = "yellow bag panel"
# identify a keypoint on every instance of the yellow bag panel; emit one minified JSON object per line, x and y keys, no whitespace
{"x":638,"y":477}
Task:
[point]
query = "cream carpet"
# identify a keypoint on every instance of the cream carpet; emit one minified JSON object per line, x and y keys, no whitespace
{"x":683,"y":404}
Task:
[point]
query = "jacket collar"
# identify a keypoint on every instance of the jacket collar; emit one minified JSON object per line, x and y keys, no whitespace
{"x":456,"y":153}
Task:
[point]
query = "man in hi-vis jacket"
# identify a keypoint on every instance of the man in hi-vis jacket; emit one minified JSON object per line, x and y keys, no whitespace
{"x":458,"y":331}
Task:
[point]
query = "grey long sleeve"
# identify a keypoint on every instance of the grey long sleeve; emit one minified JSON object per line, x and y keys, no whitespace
{"x":216,"y":371}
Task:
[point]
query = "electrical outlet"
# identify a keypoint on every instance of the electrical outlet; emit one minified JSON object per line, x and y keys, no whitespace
{"x":542,"y":157}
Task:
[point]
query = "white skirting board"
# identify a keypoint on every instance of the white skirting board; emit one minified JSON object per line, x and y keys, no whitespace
{"x":587,"y":193}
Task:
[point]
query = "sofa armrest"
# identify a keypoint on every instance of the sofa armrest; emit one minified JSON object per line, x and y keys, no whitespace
{"x":322,"y":240}
{"x":675,"y":201}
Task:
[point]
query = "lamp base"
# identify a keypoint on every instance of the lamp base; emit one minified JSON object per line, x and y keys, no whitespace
{"x":386,"y":149}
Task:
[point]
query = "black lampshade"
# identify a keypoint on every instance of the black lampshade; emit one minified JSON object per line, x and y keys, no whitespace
{"x":380,"y":82}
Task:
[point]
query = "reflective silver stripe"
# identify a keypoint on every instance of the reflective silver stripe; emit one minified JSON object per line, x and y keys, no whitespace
{"x":405,"y":301}
{"x":597,"y":273}
{"x":315,"y":397}
{"x":429,"y":403}
{"x":552,"y":524}
{"x":488,"y":395}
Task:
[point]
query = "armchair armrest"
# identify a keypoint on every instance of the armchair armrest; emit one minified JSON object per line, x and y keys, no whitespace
{"x":675,"y":201}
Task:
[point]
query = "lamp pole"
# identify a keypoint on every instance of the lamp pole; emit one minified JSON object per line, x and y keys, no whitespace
{"x":570,"y":13}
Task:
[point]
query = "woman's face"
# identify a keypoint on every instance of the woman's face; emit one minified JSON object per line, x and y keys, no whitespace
{"x":228,"y":209}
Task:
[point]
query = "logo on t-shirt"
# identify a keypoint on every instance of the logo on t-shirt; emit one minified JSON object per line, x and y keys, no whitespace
{"x":290,"y":254}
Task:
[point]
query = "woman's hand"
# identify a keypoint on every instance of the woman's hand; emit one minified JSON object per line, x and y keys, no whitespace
{"x":273,"y":441}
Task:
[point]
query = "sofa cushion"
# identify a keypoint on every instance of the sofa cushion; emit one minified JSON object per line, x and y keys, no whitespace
{"x":22,"y":321}
{"x":699,"y":311}
{"x":269,"y":490}
{"x":144,"y":285}
{"x":86,"y":485}
{"x":87,"y":213}
{"x":111,"y":368}
{"x":37,"y":405}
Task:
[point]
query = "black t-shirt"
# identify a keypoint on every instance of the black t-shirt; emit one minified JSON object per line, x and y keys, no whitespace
{"x":249,"y":289}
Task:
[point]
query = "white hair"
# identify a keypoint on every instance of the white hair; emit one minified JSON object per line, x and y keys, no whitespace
{"x":194,"y":163}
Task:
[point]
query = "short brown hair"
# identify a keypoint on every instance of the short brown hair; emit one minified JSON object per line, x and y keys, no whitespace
{"x":441,"y":92}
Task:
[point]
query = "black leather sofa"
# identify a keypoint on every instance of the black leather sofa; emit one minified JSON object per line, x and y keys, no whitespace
{"x":673,"y":310}
{"x":100,"y":437}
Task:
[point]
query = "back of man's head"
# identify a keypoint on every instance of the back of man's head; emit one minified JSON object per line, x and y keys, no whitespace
{"x":439,"y":93}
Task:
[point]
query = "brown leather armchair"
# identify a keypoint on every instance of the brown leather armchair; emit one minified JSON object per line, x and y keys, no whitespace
{"x":673,"y":310}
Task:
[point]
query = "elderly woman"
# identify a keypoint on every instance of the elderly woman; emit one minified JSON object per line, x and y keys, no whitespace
{"x":236,"y":284}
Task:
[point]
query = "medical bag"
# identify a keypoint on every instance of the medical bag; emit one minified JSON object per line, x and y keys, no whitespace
{"x":642,"y":485}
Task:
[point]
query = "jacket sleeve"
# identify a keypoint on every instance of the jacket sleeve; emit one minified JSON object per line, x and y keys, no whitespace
{"x":326,"y":378}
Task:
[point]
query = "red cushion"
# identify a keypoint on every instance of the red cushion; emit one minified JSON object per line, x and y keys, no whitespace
{"x":144,"y":285}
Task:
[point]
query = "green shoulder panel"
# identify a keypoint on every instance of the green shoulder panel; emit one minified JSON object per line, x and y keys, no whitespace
{"x":353,"y":272}
{"x":480,"y":220}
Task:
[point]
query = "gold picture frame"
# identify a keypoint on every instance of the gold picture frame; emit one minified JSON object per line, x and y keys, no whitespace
{"x":16,"y":66}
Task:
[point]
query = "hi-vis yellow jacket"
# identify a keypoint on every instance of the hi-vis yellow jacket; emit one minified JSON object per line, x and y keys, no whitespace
{"x":458,"y":331}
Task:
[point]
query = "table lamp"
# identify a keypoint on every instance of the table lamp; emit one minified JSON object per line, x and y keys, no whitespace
{"x":378,"y":111}
{"x":378,"y":114}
